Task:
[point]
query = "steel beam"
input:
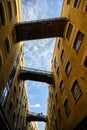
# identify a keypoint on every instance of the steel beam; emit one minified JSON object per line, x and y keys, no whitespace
{"x":39,"y":29}
{"x":36,"y":117}
{"x":36,"y":75}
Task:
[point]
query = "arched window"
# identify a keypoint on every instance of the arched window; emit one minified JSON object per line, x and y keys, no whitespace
{"x":2,"y":14}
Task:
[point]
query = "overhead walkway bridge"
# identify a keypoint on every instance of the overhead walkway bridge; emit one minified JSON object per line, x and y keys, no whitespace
{"x":36,"y":117}
{"x":36,"y":75}
{"x":45,"y":28}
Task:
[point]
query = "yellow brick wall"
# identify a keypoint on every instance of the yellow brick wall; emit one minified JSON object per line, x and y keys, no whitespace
{"x":77,"y":17}
{"x":8,"y":59}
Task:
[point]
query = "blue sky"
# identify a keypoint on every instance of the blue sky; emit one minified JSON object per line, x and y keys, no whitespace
{"x":38,"y":53}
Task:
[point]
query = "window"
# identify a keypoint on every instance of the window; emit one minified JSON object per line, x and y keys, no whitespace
{"x":62,"y":55}
{"x":78,"y":41}
{"x":13,"y":36}
{"x":58,"y":71}
{"x":77,"y":3}
{"x":6,"y":44}
{"x":54,"y":108}
{"x":62,"y":85}
{"x":68,"y":68}
{"x":59,"y":43}
{"x":76,"y":90}
{"x":67,"y":107}
{"x":10,"y":105}
{"x":68,"y":1}
{"x":55,"y":62}
{"x":86,"y":8}
{"x":17,"y":101}
{"x":14,"y":89}
{"x":59,"y":115}
{"x":1,"y":60}
{"x":9,"y":9}
{"x":85,"y":62}
{"x":2,"y":14}
{"x":56,"y":126}
{"x":69,"y":31}
{"x":14,"y":116}
{"x":15,"y":8}
{"x":56,"y":97}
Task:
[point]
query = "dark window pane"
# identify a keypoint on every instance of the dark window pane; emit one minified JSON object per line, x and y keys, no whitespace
{"x":58,"y":71}
{"x":59,"y":115}
{"x":1,"y":62}
{"x":68,"y":1}
{"x":7,"y":46}
{"x":68,"y":68}
{"x":10,"y":106}
{"x":76,"y":90}
{"x":86,"y":8}
{"x":55,"y":62}
{"x":62,"y":55}
{"x":77,"y":3}
{"x":67,"y":107}
{"x":2,"y":15}
{"x":85,"y":61}
{"x":9,"y":9}
{"x":78,"y":41}
{"x":15,"y":8}
{"x":62,"y":85}
{"x":59,"y":43}
{"x":69,"y":31}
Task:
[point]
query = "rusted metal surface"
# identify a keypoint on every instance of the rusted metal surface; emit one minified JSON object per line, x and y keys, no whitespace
{"x":40,"y":29}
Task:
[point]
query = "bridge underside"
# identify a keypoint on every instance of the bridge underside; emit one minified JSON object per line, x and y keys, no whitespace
{"x":36,"y":75}
{"x":36,"y":117}
{"x":39,"y":29}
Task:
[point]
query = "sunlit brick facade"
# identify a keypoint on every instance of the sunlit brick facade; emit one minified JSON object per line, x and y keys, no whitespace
{"x":67,"y":104}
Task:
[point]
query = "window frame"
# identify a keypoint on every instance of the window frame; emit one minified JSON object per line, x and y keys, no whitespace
{"x":69,"y":31}
{"x":3,"y":17}
{"x":78,"y":41}
{"x":55,"y":62}
{"x":1,"y":59}
{"x":58,"y":71}
{"x":85,"y":61}
{"x":67,"y":107}
{"x":62,"y":55}
{"x":59,"y":43}
{"x":68,"y":2}
{"x":61,"y":85}
{"x":7,"y":45}
{"x":76,"y":91}
{"x":77,"y":3}
{"x":15,"y":7}
{"x":59,"y":114}
{"x":68,"y":68}
{"x":10,"y":12}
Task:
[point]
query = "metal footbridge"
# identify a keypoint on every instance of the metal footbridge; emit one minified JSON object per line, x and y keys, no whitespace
{"x":39,"y":29}
{"x":31,"y":116}
{"x":36,"y":75}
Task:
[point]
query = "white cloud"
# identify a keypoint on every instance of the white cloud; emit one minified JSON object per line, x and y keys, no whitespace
{"x":35,"y":106}
{"x":38,"y":53}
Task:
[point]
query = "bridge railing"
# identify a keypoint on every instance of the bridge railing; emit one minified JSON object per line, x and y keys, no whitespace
{"x":36,"y":70}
